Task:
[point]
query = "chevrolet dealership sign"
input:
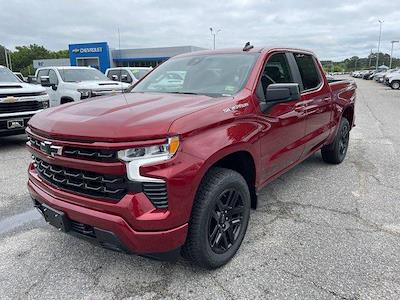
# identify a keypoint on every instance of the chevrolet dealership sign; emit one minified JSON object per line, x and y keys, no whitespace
{"x":88,"y":50}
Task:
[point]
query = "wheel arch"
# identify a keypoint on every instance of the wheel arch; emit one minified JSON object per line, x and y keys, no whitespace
{"x":66,"y":99}
{"x":241,"y":160}
{"x":348,"y":113}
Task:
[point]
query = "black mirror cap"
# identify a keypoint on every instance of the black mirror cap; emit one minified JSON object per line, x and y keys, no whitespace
{"x":282,"y":92}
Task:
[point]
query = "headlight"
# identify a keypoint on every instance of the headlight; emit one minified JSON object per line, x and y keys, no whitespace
{"x":42,"y":93}
{"x":85,"y":93}
{"x":156,"y":152}
{"x":137,"y":157}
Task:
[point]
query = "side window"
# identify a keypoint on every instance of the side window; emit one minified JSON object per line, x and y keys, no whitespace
{"x":128,"y":77}
{"x":276,"y":70}
{"x":114,"y":73}
{"x":308,"y":71}
{"x":43,"y":72}
{"x":53,"y":77}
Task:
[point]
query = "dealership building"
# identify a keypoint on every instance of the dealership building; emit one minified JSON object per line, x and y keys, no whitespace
{"x":101,"y":56}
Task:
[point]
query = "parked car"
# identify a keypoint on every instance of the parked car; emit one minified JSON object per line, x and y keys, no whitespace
{"x":179,"y":167}
{"x":393,"y":80}
{"x":127,"y":74}
{"x":68,"y":84}
{"x":19,"y":101}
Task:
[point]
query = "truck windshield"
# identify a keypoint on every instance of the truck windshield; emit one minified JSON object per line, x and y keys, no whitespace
{"x":7,"y":76}
{"x":213,"y":75}
{"x":76,"y":75}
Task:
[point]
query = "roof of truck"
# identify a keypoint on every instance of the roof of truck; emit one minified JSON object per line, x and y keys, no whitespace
{"x":240,"y":50}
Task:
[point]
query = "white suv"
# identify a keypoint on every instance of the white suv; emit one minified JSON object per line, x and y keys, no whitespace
{"x":68,"y":84}
{"x":127,"y":74}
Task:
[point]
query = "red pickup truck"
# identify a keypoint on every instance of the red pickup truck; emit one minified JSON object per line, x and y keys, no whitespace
{"x":174,"y":166}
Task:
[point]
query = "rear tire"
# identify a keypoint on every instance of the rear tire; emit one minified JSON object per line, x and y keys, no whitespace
{"x":336,"y":152}
{"x":395,"y":84}
{"x":219,"y":220}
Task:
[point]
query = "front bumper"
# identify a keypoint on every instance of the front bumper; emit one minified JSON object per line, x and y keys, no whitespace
{"x":112,"y":230}
{"x":21,"y":119}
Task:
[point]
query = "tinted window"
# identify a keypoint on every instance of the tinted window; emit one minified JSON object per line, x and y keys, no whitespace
{"x":53,"y":77}
{"x":276,"y":71}
{"x":43,"y":72}
{"x":308,"y":71}
{"x":128,"y":77}
{"x":112,"y":73}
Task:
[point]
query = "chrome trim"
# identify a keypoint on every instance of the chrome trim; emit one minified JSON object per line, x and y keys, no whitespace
{"x":20,"y":114}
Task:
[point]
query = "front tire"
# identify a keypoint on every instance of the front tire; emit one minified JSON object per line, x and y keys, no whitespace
{"x":220,"y":216}
{"x":336,"y":152}
{"x":395,"y":84}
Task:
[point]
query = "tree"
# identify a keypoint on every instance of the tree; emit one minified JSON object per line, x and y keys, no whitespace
{"x":22,"y":58}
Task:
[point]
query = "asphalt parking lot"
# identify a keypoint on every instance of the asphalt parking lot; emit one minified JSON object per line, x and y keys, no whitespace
{"x":321,"y":232}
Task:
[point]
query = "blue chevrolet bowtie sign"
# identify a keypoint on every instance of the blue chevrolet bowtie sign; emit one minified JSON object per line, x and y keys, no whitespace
{"x":93,"y":54}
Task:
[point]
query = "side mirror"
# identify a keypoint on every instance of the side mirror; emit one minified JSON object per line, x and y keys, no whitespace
{"x":114,"y":77}
{"x":31,"y":79}
{"x":45,"y":81}
{"x":279,"y":93}
{"x":124,"y":78}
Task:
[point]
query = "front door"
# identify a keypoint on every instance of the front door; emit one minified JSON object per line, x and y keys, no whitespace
{"x":284,"y":124}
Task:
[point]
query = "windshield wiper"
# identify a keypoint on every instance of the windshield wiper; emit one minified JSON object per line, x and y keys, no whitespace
{"x":185,"y":93}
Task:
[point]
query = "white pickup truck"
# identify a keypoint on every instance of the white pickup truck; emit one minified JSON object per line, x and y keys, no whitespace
{"x":127,"y":74}
{"x":68,"y":84}
{"x":19,"y":101}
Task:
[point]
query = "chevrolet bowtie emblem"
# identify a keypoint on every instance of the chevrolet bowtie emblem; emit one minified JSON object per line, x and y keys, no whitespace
{"x":50,"y":149}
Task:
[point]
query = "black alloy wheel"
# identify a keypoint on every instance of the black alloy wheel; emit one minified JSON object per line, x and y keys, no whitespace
{"x":225,"y":221}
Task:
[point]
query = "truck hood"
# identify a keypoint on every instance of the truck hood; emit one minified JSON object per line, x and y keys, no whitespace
{"x":122,"y":117}
{"x":101,"y":85}
{"x":11,"y":88}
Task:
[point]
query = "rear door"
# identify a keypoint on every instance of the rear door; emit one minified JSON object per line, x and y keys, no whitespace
{"x":284,"y":124}
{"x":317,"y":97}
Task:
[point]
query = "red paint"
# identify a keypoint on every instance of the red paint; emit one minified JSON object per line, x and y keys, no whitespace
{"x":276,"y":141}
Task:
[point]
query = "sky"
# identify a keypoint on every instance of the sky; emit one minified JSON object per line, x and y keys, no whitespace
{"x":334,"y":30}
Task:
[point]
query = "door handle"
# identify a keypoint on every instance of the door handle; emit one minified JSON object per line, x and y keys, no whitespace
{"x":300,"y":107}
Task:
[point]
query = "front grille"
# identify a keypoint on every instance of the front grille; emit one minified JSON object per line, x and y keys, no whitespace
{"x":157,"y":193}
{"x":21,"y":95}
{"x":82,"y":153}
{"x":20,"y":106}
{"x":82,"y":182}
{"x":90,"y":154}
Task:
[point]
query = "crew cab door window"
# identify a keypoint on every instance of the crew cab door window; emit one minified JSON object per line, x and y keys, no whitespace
{"x":123,"y":74}
{"x":276,"y":70}
{"x":114,"y":73}
{"x":44,"y":72}
{"x":308,"y":70}
{"x":53,"y":77}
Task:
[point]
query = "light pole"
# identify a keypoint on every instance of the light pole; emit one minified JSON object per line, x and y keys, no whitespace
{"x":391,"y":54}
{"x":5,"y":56}
{"x":379,"y":44}
{"x":214,"y":33}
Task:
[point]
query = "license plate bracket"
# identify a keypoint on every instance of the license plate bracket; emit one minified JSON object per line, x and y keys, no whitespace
{"x":15,"y":124}
{"x":55,"y":218}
